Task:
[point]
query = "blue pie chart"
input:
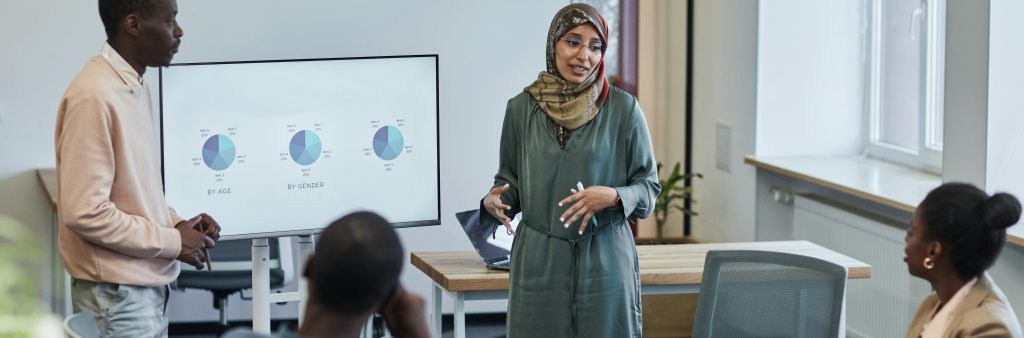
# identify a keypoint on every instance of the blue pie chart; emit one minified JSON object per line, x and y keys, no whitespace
{"x":388,"y":143}
{"x":305,"y":147}
{"x":218,"y":152}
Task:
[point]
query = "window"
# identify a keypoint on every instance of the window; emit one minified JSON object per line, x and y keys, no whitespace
{"x":905,"y":75}
{"x":620,"y":58}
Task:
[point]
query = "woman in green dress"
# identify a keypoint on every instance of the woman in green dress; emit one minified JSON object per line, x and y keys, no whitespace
{"x":574,"y":265}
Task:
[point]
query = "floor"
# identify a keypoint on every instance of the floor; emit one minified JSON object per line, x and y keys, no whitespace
{"x":477,"y":326}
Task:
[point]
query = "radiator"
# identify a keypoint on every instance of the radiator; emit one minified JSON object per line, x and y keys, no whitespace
{"x":883,"y":305}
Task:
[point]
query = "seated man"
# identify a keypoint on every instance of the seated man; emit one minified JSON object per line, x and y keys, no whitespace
{"x":352,"y":274}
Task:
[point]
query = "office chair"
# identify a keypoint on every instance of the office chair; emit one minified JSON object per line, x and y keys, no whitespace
{"x":232,"y":271}
{"x":81,"y":325}
{"x":747,"y":293}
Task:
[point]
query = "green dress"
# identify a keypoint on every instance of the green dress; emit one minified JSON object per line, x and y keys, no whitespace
{"x":563,"y":284}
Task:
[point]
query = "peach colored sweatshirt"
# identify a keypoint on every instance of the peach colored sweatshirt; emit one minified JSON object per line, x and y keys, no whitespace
{"x":115,"y":225}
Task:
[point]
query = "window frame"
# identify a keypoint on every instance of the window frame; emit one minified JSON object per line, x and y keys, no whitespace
{"x":928,"y":156}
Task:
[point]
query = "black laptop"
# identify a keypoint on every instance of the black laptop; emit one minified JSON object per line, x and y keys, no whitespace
{"x":494,"y":257}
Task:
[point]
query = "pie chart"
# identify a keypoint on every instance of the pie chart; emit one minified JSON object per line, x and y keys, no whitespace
{"x":388,"y":143}
{"x":218,"y":152}
{"x":305,"y":147}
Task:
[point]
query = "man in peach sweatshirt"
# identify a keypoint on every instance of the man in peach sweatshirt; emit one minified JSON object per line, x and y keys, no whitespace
{"x":120,"y":241}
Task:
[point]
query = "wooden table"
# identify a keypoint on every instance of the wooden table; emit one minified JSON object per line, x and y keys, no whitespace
{"x":48,"y":178}
{"x":60,"y":281}
{"x":664,"y":269}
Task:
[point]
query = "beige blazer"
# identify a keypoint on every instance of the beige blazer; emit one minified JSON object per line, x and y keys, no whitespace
{"x":984,"y":312}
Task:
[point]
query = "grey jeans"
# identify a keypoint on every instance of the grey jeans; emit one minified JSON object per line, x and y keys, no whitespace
{"x":123,"y":310}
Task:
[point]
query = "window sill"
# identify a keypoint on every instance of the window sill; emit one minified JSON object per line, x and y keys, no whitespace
{"x":870,"y":179}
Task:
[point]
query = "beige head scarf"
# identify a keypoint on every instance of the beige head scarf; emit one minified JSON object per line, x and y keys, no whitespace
{"x":568,"y":105}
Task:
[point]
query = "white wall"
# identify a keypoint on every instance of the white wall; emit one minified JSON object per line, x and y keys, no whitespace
{"x":1005,"y":112}
{"x":810,"y":92}
{"x":1005,"y":141}
{"x":724,"y":92}
{"x":965,"y":100}
{"x":810,"y":78}
{"x":488,"y":52}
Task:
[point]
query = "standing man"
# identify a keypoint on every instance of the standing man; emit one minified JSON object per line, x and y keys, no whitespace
{"x":119,"y":239}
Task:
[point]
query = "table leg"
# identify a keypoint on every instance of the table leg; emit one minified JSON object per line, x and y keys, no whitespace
{"x":261,"y":285}
{"x":842,"y":316}
{"x":436,"y":315}
{"x":460,"y":314}
{"x":368,"y":329}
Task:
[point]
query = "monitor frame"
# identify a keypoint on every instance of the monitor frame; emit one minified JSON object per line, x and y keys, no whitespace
{"x":314,"y":231}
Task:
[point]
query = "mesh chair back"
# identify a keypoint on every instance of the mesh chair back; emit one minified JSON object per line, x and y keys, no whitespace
{"x":240,"y":250}
{"x":232,"y":272}
{"x":748,"y":293}
{"x":232,"y":268}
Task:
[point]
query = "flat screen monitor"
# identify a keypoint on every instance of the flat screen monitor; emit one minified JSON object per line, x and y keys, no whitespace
{"x":284,"y":147}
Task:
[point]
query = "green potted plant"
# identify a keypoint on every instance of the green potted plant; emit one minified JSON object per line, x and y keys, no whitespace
{"x":674,"y":192}
{"x":22,"y":312}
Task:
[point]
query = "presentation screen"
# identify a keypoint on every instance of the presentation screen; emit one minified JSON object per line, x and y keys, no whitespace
{"x":280,"y":148}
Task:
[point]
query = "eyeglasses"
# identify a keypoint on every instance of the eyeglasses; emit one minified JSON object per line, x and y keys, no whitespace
{"x":575,"y":44}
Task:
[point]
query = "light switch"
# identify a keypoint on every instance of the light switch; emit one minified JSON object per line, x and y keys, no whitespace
{"x":723,"y":146}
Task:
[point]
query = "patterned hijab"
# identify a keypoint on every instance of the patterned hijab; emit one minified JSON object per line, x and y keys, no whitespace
{"x":569,"y":105}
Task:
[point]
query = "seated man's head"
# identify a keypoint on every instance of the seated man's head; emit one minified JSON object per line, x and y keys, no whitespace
{"x":356,"y":265}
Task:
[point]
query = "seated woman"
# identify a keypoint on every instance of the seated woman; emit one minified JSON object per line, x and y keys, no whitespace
{"x":956,"y":234}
